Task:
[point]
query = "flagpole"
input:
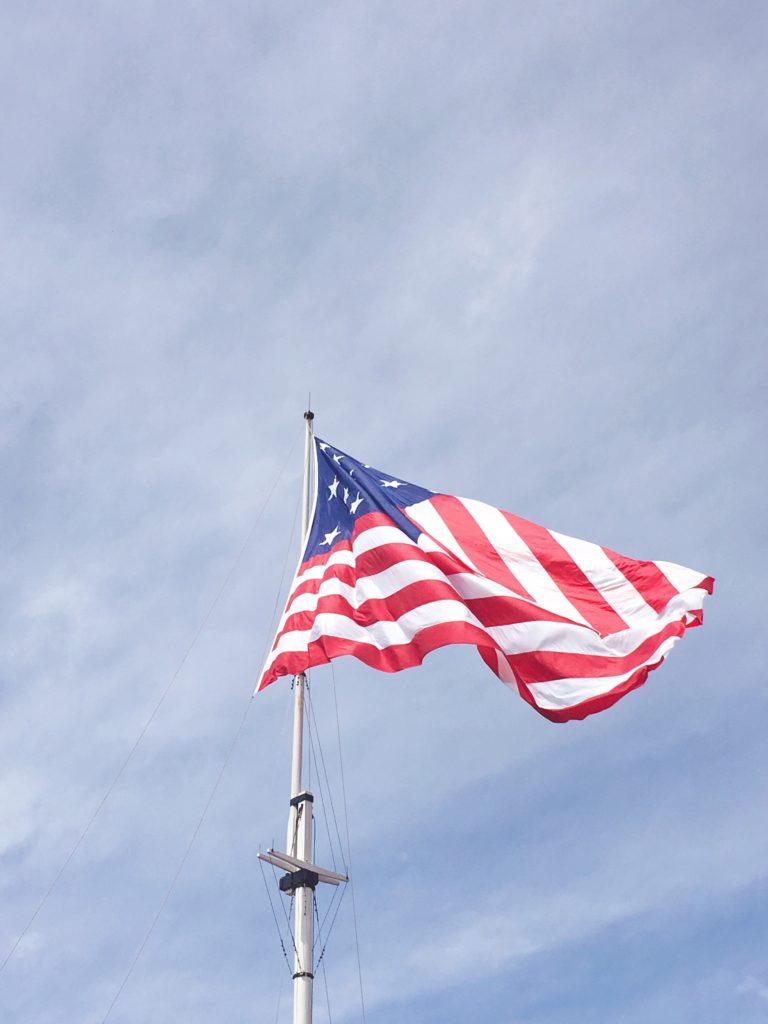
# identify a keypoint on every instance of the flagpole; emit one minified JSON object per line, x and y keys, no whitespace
{"x":300,"y":820}
{"x":302,"y":874}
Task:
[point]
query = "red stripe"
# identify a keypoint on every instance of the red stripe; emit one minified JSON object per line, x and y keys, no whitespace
{"x":567,"y":575}
{"x":495,"y":610}
{"x":338,"y":571}
{"x":393,"y":659}
{"x":647,"y":579}
{"x":529,"y":667}
{"x":321,"y":559}
{"x":544,"y":666}
{"x":387,"y":556}
{"x":377,"y":559}
{"x":490,"y":611}
{"x":507,"y":610}
{"x":401,"y":656}
{"x":590,"y":706}
{"x":388,"y":609}
{"x":441,"y":559}
{"x":475,"y":543}
{"x":369,"y":563}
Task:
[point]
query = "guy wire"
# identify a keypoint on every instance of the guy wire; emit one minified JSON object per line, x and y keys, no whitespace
{"x":150,"y":719}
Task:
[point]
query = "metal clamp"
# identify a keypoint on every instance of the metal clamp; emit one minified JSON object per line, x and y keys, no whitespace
{"x":301,"y":879}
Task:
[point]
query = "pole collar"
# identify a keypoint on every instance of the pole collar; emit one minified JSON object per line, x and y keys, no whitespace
{"x":301,"y":879}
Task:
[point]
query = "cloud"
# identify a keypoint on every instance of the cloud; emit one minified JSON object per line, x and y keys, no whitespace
{"x":512,"y":256}
{"x":752,"y":986}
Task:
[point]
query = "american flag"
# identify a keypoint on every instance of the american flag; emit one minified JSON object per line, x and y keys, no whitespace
{"x":391,"y":571}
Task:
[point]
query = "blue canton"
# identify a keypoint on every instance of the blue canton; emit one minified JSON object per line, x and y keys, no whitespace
{"x":348,"y":489}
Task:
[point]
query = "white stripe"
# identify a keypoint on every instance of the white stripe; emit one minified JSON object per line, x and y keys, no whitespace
{"x":426,"y":543}
{"x":316,"y":572}
{"x":564,"y":693}
{"x":504,"y":670}
{"x":427,"y":518}
{"x":393,"y":579}
{"x":377,"y":536}
{"x":562,"y":638}
{"x":377,"y":586}
{"x":615,"y":589}
{"x":365,"y":541}
{"x":520,"y":638}
{"x":473,"y":587}
{"x":521,"y":561}
{"x":382,"y":634}
{"x":680,"y":577}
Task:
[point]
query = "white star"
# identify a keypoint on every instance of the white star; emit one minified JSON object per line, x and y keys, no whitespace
{"x":330,"y":537}
{"x":332,"y":488}
{"x":338,"y":457}
{"x":346,"y":495}
{"x":355,"y":503}
{"x":322,"y":445}
{"x":394,"y":484}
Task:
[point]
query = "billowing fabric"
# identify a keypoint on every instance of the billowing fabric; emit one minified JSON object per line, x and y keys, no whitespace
{"x":392,"y":571}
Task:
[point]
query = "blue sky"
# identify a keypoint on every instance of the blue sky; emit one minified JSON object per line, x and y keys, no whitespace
{"x":516,"y":253}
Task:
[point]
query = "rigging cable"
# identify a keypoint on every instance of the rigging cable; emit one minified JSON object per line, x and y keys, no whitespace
{"x":322,"y":788}
{"x":274,"y":915}
{"x":321,"y":924}
{"x":329,"y":788}
{"x":338,"y":894}
{"x":325,"y":976}
{"x":151,"y":717}
{"x":349,"y":846}
{"x":182,"y":862}
{"x":284,"y":729}
{"x":279,"y":999}
{"x":273,"y":618}
{"x":323,"y":809}
{"x":288,"y":914}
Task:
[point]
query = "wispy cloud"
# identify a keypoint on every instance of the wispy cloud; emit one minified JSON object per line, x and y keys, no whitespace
{"x":511,"y":252}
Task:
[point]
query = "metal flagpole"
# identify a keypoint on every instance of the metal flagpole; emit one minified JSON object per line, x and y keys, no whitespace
{"x":299,"y":681}
{"x":300,"y":823}
{"x":302,"y":874}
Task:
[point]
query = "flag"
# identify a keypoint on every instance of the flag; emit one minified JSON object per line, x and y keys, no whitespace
{"x":391,"y":571}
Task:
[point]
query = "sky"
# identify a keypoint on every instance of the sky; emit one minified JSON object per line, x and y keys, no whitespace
{"x":514,"y":252}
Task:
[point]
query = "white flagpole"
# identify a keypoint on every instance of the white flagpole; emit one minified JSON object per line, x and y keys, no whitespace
{"x":302,"y":874}
{"x":300,"y":821}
